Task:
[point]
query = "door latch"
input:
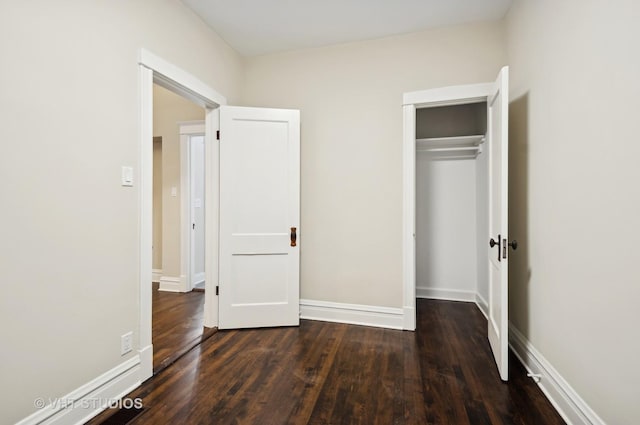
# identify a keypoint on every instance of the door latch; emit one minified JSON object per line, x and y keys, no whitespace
{"x":493,"y":243}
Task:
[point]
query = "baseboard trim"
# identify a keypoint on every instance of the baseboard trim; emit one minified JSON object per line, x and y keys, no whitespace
{"x":354,"y":314}
{"x":156,"y":275}
{"x":84,"y":403}
{"x":573,"y":409}
{"x":446,"y":294}
{"x":483,"y":305}
{"x":171,"y":284}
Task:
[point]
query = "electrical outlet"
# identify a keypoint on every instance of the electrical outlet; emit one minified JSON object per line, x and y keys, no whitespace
{"x":126,"y":343}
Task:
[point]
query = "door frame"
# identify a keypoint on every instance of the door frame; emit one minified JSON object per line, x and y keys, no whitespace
{"x":411,"y":101}
{"x":188,"y":129}
{"x":153,"y":69}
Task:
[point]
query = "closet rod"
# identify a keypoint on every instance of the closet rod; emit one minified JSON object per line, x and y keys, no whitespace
{"x":454,"y":149}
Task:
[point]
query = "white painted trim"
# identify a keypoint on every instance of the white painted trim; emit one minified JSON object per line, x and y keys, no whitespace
{"x":409,"y":318}
{"x":178,"y":81}
{"x":173,"y":284}
{"x":156,"y":274}
{"x":482,"y":305}
{"x":409,"y":215}
{"x":191,"y":127}
{"x":154,"y":69}
{"x":445,"y":294}
{"x":85,"y":402}
{"x":451,"y":95}
{"x":411,"y":101}
{"x":573,"y":409}
{"x":212,"y":217}
{"x":354,"y":314}
{"x":146,"y":362}
{"x":145,"y":208}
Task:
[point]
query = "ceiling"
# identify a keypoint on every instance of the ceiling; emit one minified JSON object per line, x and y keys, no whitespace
{"x":256,"y":27}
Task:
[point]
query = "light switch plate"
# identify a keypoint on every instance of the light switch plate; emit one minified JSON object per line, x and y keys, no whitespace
{"x":127,"y":176}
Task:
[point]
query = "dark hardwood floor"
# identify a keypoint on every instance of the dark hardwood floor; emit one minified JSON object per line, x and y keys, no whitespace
{"x":177,"y":325}
{"x":326,"y":373}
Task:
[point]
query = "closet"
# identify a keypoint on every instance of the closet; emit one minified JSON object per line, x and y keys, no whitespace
{"x":455,"y":242}
{"x":451,"y":202}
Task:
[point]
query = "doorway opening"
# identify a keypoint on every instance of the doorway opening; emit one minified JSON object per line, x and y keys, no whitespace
{"x":451,"y":203}
{"x":152,"y":70}
{"x":178,"y":227}
{"x":455,"y":186}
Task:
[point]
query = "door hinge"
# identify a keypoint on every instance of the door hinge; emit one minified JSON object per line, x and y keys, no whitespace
{"x":217,"y":290}
{"x":217,"y":134}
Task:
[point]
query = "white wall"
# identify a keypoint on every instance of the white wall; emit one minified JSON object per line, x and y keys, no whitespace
{"x":575,"y":201}
{"x":350,"y":99}
{"x":446,"y":251}
{"x":69,"y":230}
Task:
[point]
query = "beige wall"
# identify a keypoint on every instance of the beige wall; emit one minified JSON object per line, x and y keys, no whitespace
{"x":168,"y":110}
{"x":69,"y":230}
{"x":350,"y":97}
{"x":575,"y":201}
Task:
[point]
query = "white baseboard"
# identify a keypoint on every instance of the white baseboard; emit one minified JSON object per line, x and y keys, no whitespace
{"x":573,"y":409}
{"x":446,"y":294}
{"x":483,"y":305}
{"x":172,"y":284}
{"x":84,"y":403}
{"x":355,"y":314}
{"x":198,"y":278}
{"x":156,"y":275}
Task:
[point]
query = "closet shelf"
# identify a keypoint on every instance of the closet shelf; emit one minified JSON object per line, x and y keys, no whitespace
{"x":461,"y":147}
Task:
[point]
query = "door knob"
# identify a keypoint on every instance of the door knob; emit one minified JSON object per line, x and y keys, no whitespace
{"x":492,"y":243}
{"x":513,"y":244}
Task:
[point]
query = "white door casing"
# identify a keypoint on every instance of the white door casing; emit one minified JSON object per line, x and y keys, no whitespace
{"x":154,"y":69}
{"x":259,"y":204}
{"x":498,"y":144}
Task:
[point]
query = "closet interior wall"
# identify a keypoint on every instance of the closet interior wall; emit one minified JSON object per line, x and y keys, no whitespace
{"x":451,"y":202}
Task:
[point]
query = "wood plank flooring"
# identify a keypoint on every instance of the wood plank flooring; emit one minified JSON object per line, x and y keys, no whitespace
{"x":326,"y":373}
{"x":177,"y":325}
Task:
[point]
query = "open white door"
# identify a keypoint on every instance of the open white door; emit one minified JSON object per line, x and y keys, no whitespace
{"x":259,"y":217}
{"x":498,"y":142}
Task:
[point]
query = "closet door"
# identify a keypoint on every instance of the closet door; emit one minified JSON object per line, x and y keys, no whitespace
{"x":498,"y":323}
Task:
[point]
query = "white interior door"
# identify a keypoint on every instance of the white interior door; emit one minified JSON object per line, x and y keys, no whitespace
{"x":498,"y":142}
{"x":259,"y":208}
